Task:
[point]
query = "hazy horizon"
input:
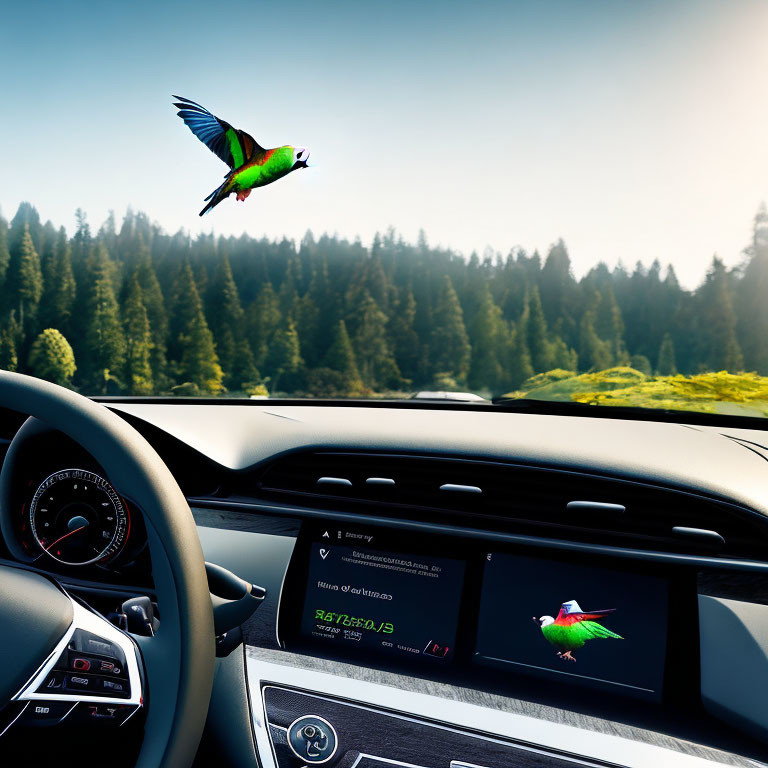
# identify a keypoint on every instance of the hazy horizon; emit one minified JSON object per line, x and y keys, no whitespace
{"x":633,"y":131}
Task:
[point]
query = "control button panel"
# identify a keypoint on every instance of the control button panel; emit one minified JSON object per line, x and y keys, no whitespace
{"x":102,"y":665}
{"x":312,"y":739}
{"x":90,"y":665}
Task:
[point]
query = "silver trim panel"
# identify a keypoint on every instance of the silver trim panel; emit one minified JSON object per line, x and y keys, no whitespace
{"x":91,"y":622}
{"x":507,"y":726}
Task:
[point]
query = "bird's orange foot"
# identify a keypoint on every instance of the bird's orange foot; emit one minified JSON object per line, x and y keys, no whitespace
{"x":566,"y":656}
{"x":243,"y":194}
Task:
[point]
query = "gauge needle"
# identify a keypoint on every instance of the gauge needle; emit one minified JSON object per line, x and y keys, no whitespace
{"x":61,"y":538}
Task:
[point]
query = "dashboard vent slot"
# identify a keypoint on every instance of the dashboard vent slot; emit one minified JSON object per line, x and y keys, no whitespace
{"x":509,"y":497}
{"x":600,"y":507}
{"x":700,"y":535}
{"x":335,"y":482}
{"x":454,"y":488}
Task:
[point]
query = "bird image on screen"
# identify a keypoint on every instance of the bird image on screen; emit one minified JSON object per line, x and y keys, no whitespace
{"x":251,"y":165}
{"x":573,"y":627}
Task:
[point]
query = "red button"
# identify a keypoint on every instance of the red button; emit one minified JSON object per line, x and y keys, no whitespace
{"x":81,"y":665}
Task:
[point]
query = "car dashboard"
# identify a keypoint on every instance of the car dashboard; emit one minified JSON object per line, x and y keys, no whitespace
{"x":447,"y":587}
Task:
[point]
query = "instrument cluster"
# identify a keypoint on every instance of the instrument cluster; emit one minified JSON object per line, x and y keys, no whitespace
{"x":73,"y":520}
{"x":77,"y":518}
{"x":62,"y":514}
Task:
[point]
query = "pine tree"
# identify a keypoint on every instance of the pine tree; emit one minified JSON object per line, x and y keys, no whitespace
{"x":516,"y":360}
{"x":50,"y":242}
{"x":154,"y":303}
{"x":449,"y":344}
{"x":609,"y":325}
{"x":340,"y":357}
{"x":51,"y":358}
{"x":594,"y":352}
{"x":405,"y":340}
{"x":262,"y":320}
{"x":541,"y":348}
{"x":227,"y":321}
{"x":284,"y":364}
{"x":309,"y":328}
{"x":666,"y":363}
{"x":752,"y":307}
{"x":559,"y":292}
{"x":138,"y":342}
{"x":288,"y":296}
{"x":81,"y":242}
{"x":564,"y":357}
{"x":26,"y":280}
{"x":104,"y":344}
{"x":486,"y":331}
{"x":5,"y":259}
{"x":191,"y":349}
{"x":26,"y":220}
{"x":717,"y":334}
{"x":60,"y":289}
{"x":375,"y":360}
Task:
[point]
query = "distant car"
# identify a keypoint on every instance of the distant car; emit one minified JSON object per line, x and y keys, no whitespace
{"x":467,"y":397}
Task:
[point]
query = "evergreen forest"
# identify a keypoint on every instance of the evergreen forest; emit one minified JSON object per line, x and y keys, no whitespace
{"x":130,"y":309}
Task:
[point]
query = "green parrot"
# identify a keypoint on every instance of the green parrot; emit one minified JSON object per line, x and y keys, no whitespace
{"x":251,"y":165}
{"x":572,"y":628}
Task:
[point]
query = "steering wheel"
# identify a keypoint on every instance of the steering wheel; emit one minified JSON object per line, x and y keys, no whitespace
{"x":170,"y":675}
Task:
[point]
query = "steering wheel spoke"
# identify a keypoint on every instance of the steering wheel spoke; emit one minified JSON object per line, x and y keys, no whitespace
{"x":94,"y":674}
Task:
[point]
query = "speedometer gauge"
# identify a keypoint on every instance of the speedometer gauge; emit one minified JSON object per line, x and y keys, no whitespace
{"x":77,"y":518}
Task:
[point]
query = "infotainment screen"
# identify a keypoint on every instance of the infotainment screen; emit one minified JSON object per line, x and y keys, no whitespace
{"x":397,"y":603}
{"x":566,"y":620}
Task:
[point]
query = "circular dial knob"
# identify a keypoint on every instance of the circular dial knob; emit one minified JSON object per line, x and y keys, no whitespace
{"x":312,"y":739}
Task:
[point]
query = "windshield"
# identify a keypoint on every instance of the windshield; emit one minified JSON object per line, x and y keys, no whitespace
{"x":558,"y":201}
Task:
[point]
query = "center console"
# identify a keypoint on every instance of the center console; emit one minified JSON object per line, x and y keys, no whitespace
{"x":464,"y":615}
{"x":369,"y":737}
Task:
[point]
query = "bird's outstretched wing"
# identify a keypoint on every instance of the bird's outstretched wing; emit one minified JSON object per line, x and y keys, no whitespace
{"x":232,"y":145}
{"x":567,"y":616}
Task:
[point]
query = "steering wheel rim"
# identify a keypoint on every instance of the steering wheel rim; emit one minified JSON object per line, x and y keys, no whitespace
{"x":179,"y":659}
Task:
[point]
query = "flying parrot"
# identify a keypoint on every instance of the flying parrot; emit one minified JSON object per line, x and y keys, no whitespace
{"x":251,"y":165}
{"x":572,"y":628}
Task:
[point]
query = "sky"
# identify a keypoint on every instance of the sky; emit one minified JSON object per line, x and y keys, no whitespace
{"x":633,"y":129}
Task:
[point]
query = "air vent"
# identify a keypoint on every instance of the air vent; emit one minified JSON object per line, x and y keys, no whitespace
{"x":513,"y":498}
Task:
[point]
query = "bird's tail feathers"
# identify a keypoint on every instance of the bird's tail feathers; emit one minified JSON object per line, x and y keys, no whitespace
{"x":218,"y":194}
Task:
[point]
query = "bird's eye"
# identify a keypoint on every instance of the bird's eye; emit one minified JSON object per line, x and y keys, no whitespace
{"x":299,"y":155}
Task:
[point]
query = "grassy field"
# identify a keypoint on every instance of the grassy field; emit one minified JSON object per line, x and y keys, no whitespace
{"x":741,"y":394}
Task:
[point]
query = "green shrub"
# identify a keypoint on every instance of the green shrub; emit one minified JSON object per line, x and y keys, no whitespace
{"x":51,"y":358}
